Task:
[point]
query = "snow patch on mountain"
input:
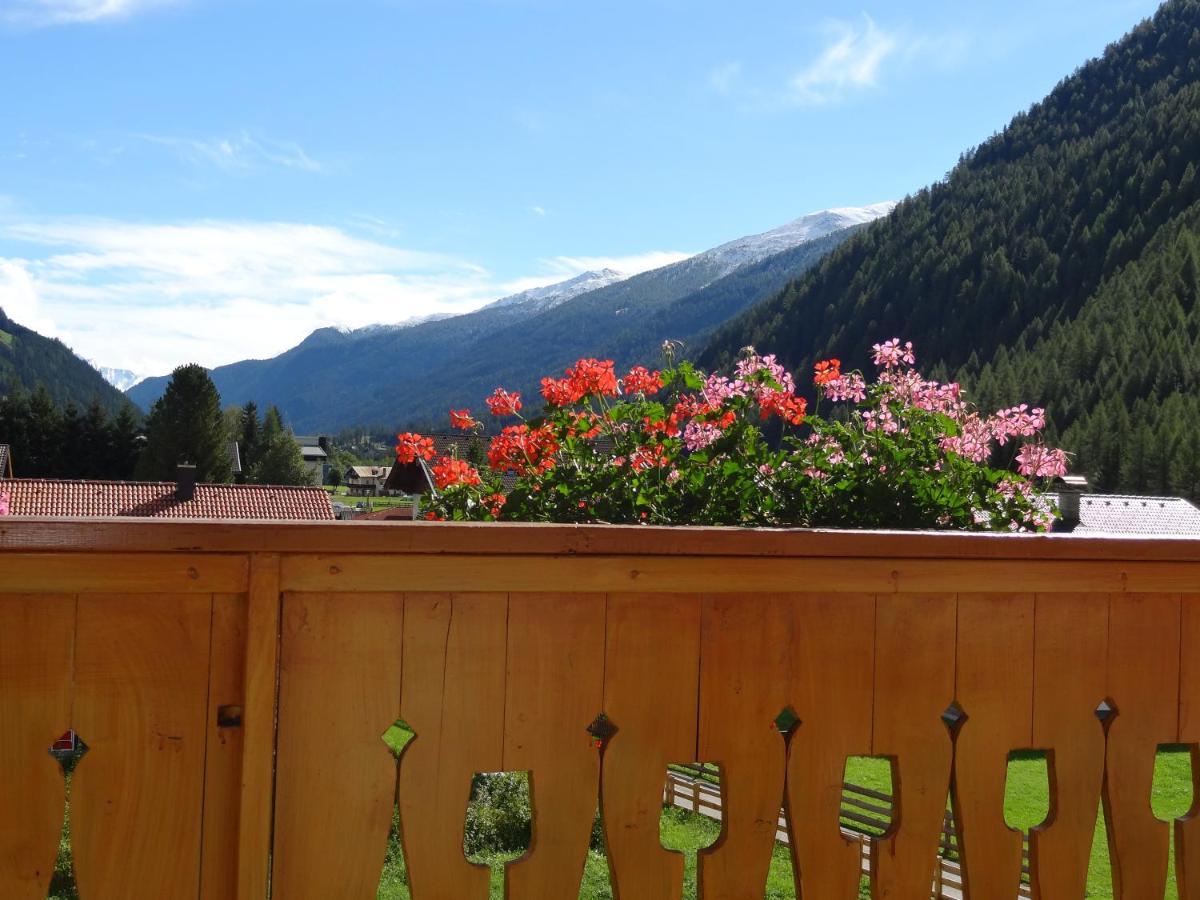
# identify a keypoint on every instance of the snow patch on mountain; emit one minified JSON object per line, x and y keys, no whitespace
{"x":550,"y":296}
{"x":383,"y":328}
{"x":744,"y":251}
{"x":121,"y":379}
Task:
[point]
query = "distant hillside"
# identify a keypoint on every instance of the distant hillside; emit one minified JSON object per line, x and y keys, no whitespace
{"x":1053,"y":265}
{"x":27,"y":359}
{"x":413,"y":375}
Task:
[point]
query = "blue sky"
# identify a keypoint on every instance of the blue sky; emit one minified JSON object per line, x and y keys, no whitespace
{"x":207,"y":180}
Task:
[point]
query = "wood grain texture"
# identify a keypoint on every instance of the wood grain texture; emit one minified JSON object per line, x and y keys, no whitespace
{"x":63,"y":573}
{"x":554,"y":689}
{"x":835,"y":703}
{"x":141,"y":703}
{"x":914,"y":683}
{"x":169,"y":536}
{"x":260,"y":665}
{"x":36,"y":659}
{"x":339,"y":691}
{"x":1143,"y":680}
{"x":1187,"y":829}
{"x":650,"y":685}
{"x":454,"y":666}
{"x":1069,"y":670}
{"x":745,"y":651}
{"x":994,"y":685}
{"x":223,"y":752}
{"x":724,"y":574}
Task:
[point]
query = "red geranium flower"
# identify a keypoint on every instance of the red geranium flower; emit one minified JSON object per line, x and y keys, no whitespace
{"x":450,"y":472}
{"x":461,"y":418}
{"x":503,"y":403}
{"x":410,"y":445}
{"x":827,"y":370}
{"x":642,"y":381}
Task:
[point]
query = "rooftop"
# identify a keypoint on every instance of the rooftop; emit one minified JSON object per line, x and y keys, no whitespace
{"x":1131,"y":514}
{"x":39,"y":497}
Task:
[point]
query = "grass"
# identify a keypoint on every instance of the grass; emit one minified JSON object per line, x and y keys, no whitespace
{"x":371,"y":503}
{"x":5,"y":338}
{"x":1026,"y":804}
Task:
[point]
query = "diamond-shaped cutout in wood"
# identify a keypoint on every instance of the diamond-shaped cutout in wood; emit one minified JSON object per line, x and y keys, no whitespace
{"x":786,"y":721}
{"x":398,"y":736}
{"x":602,"y":729}
{"x":954,"y":718}
{"x":68,"y":750}
{"x":1106,"y":711}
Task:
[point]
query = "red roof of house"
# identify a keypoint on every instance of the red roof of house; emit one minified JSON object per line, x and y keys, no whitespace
{"x":38,"y":497}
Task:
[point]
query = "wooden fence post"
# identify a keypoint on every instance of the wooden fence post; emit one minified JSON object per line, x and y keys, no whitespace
{"x":258,"y":754}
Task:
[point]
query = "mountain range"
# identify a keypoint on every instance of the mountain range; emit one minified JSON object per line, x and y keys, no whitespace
{"x":411,"y":374}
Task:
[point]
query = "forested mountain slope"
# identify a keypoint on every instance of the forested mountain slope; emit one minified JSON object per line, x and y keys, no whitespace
{"x":27,"y":360}
{"x":411,"y":376}
{"x":1005,"y":259}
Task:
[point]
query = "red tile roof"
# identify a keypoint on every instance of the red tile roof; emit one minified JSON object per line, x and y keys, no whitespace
{"x":37,"y":497}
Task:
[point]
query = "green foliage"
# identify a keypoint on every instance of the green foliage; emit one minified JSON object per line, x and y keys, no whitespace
{"x":279,"y":460}
{"x":186,"y":426}
{"x":684,"y":449}
{"x":29,"y":360}
{"x":49,"y":442}
{"x":499,"y":817}
{"x":1014,"y":271}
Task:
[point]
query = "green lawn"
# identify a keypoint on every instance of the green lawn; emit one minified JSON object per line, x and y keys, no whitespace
{"x":1026,"y":804}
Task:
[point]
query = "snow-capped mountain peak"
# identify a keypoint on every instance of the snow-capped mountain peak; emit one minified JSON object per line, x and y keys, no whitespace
{"x":811,"y":227}
{"x":121,"y":379}
{"x":550,"y":296}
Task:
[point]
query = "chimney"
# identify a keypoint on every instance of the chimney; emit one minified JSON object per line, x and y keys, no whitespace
{"x":185,"y":482}
{"x":1070,"y":488}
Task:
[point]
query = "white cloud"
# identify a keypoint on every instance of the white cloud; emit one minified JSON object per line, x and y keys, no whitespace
{"x":19,"y":299}
{"x":850,"y":61}
{"x":149,"y":297}
{"x":239,"y":152}
{"x":66,"y":12}
{"x":538,"y":210}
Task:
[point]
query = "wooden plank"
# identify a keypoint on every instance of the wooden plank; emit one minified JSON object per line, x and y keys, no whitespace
{"x":745,"y":651}
{"x":651,"y":678}
{"x":141,"y":702}
{"x":1143,"y":681}
{"x":223,"y":751}
{"x":1187,"y":831}
{"x":1070,"y":653}
{"x":726,"y":574}
{"x":36,"y":659}
{"x":994,"y":686}
{"x":554,"y":689}
{"x":835,"y":702}
{"x":914,"y":684}
{"x":339,"y":691}
{"x":260,"y":693}
{"x":78,"y":573}
{"x":453,"y":699}
{"x":224,"y":536}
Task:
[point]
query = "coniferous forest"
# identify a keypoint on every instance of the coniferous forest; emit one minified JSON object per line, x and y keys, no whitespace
{"x":1056,"y":264}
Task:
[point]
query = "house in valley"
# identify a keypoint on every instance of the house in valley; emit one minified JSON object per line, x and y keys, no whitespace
{"x":365,"y":481}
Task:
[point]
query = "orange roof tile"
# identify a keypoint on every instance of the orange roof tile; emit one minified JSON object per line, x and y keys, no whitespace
{"x":38,"y":497}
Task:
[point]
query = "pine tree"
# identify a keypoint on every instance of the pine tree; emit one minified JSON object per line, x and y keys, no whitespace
{"x":125,"y":445}
{"x":280,"y":461}
{"x":186,"y":426}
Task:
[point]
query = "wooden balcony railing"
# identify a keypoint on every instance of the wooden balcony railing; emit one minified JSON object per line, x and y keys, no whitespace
{"x":233,"y":681}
